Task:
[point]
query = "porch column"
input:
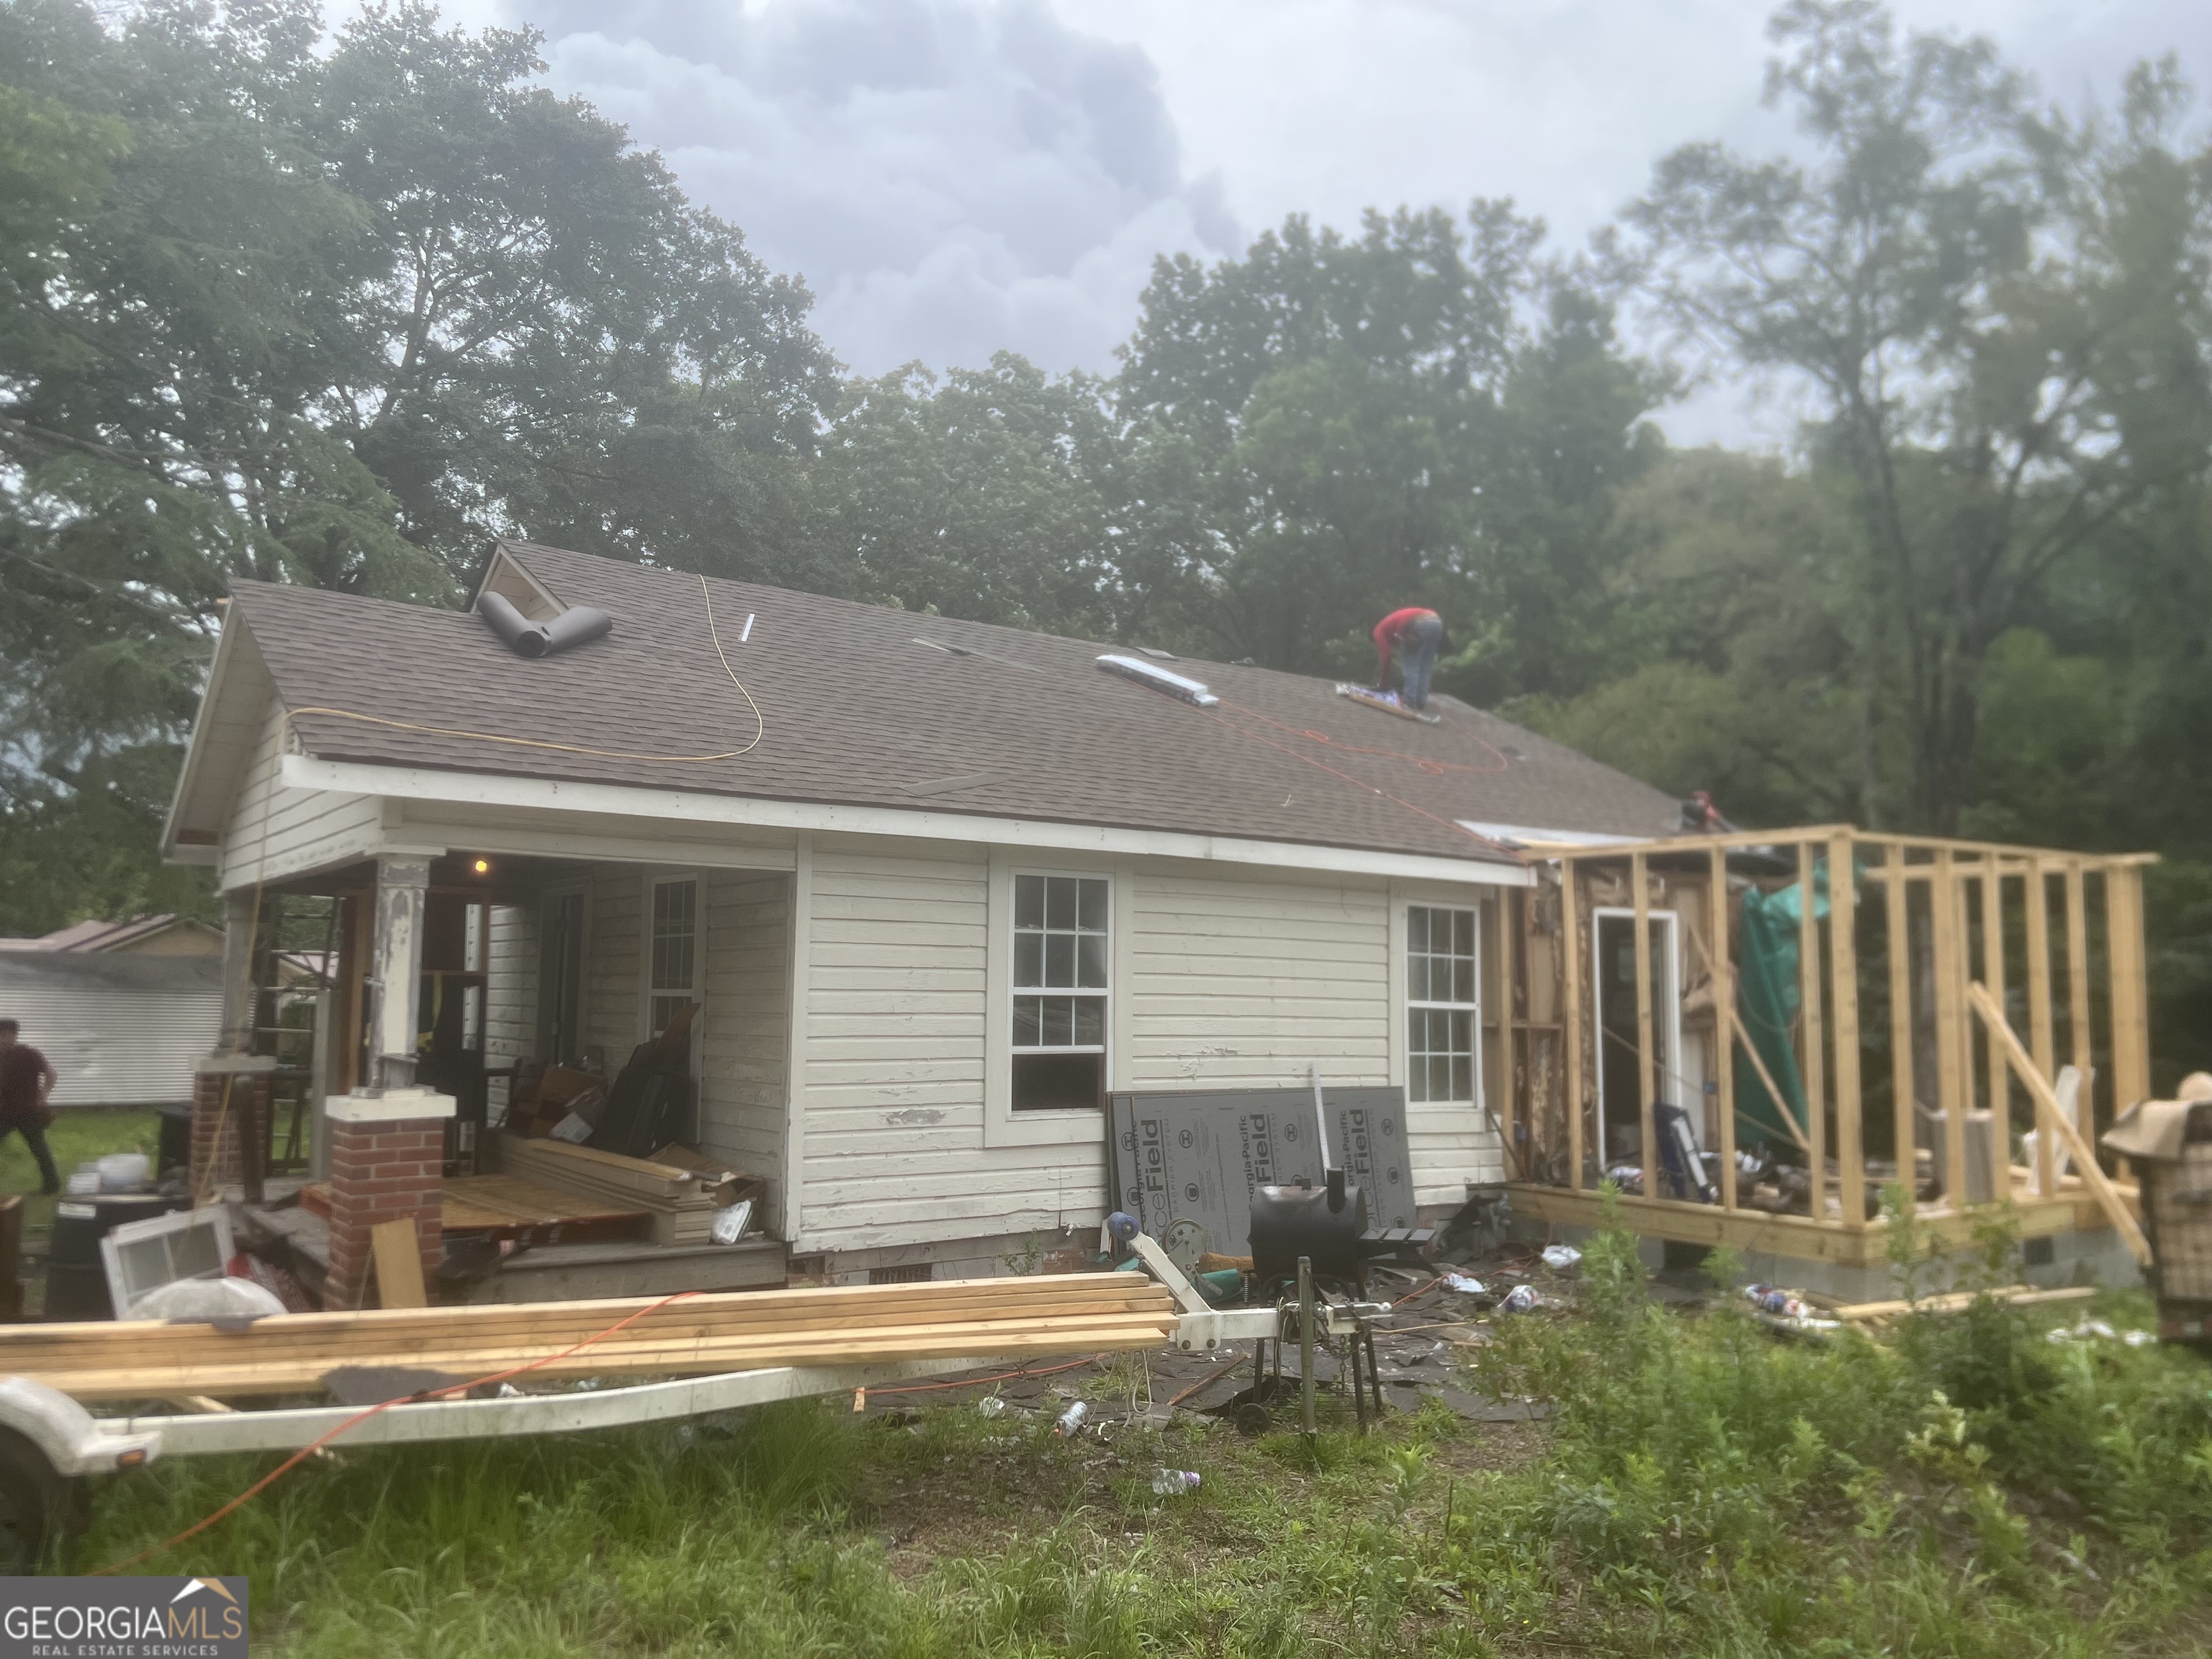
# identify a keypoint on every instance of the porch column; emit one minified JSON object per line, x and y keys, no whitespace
{"x":230,"y":1125}
{"x":239,"y":1001}
{"x":387,"y":1164}
{"x":395,"y":969}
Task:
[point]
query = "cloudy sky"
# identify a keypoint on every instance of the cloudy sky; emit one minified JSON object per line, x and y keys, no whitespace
{"x":954,"y":177}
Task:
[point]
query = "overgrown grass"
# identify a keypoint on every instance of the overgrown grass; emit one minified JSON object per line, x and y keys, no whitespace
{"x":1965,"y":1488}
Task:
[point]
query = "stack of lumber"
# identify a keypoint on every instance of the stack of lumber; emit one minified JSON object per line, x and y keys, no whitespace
{"x":678,"y":1203}
{"x":698,"y":1336}
{"x":507,"y":1206}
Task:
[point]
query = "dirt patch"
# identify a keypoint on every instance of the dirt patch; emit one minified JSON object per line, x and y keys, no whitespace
{"x":1494,"y":1447}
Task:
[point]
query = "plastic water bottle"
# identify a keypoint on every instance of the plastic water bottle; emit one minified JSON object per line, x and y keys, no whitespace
{"x":1072,"y":1420}
{"x":1173,"y":1483}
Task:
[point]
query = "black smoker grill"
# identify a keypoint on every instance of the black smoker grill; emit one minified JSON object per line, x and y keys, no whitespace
{"x":1315,"y":1243}
{"x":1328,"y":1226}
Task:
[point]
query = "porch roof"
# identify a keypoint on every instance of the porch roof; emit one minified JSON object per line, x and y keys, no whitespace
{"x":865,"y":705}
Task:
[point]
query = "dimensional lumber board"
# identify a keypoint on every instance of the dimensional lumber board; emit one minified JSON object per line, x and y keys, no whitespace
{"x":1199,"y":1155}
{"x":628,"y":1337}
{"x":394,"y":1245}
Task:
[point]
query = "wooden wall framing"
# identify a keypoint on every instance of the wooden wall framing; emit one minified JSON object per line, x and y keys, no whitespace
{"x":1911,"y":921}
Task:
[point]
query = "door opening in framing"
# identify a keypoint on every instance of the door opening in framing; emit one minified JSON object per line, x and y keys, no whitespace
{"x":1613,"y":972}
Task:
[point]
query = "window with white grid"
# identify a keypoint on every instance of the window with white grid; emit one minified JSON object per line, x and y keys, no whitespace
{"x":674,"y":963}
{"x":1059,"y":991}
{"x":1442,"y":1004}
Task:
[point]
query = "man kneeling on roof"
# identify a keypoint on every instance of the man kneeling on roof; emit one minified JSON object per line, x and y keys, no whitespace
{"x":1417,"y":635}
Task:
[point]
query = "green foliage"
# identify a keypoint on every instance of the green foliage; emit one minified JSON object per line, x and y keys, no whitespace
{"x":1704,"y":1487}
{"x":300,"y":304}
{"x":331,"y":316}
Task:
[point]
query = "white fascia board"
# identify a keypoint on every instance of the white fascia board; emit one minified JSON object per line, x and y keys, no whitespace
{"x":195,"y":748}
{"x":1522,"y":835}
{"x":485,"y":789}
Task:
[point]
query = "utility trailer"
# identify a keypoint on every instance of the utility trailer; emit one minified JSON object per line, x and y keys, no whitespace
{"x":52,"y":1442}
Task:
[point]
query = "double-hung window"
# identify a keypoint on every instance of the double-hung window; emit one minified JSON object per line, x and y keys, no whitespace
{"x":1442,"y":1006}
{"x":673,"y":966}
{"x":1059,"y":991}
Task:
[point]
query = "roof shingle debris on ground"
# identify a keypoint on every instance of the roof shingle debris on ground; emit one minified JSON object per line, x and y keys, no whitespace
{"x":870,"y":706}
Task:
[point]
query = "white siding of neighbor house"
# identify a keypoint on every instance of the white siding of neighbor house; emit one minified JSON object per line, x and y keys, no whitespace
{"x":276,"y":831}
{"x":117,"y":1045}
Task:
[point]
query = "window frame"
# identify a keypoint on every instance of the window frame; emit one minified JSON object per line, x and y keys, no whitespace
{"x":1409,"y":1003}
{"x":1050,"y":1125}
{"x":1043,"y":989}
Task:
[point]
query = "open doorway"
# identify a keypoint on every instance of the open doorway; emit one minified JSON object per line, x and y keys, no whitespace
{"x":1613,"y":966}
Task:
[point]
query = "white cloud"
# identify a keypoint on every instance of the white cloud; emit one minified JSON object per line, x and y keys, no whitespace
{"x":954,"y":177}
{"x":951,"y":178}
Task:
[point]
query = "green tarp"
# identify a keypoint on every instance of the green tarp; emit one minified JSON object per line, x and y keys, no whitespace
{"x":1767,"y":998}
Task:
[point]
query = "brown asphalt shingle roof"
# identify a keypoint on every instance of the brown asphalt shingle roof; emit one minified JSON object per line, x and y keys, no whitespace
{"x":854,"y":709}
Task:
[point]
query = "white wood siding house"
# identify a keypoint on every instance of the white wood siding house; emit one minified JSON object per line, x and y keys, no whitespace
{"x":835,"y":876}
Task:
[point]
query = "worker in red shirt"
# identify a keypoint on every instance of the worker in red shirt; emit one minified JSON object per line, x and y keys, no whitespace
{"x":26,"y":1079}
{"x":1416,"y":634}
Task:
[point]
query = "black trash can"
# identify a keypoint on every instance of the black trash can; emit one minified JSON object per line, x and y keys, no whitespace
{"x":176,"y":1143}
{"x":76,"y":1279}
{"x":77,"y":1274}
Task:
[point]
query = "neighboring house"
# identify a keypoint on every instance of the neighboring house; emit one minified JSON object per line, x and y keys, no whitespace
{"x":123,"y":1009}
{"x":152,"y":936}
{"x":940,"y":886}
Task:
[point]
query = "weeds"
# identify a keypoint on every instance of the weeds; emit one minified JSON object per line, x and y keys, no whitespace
{"x":1968,"y":1487}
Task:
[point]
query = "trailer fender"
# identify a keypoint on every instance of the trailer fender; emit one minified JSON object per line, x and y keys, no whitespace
{"x":71,"y":1438}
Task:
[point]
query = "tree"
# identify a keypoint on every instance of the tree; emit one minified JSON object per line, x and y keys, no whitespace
{"x":1419,"y":414}
{"x":2002,"y":317}
{"x":978,"y":496}
{"x":336,"y":320}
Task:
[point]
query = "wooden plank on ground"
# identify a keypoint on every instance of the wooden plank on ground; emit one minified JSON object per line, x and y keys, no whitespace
{"x":1950,"y":1301}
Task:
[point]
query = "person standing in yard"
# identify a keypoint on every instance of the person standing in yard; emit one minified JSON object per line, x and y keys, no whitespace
{"x":1416,"y":634}
{"x":26,"y":1078}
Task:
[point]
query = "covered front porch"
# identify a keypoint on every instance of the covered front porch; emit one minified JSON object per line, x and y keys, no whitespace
{"x":1752,"y":1039}
{"x":516,"y":977}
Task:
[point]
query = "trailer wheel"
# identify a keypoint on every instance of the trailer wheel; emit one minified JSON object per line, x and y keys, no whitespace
{"x":39,"y":1506}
